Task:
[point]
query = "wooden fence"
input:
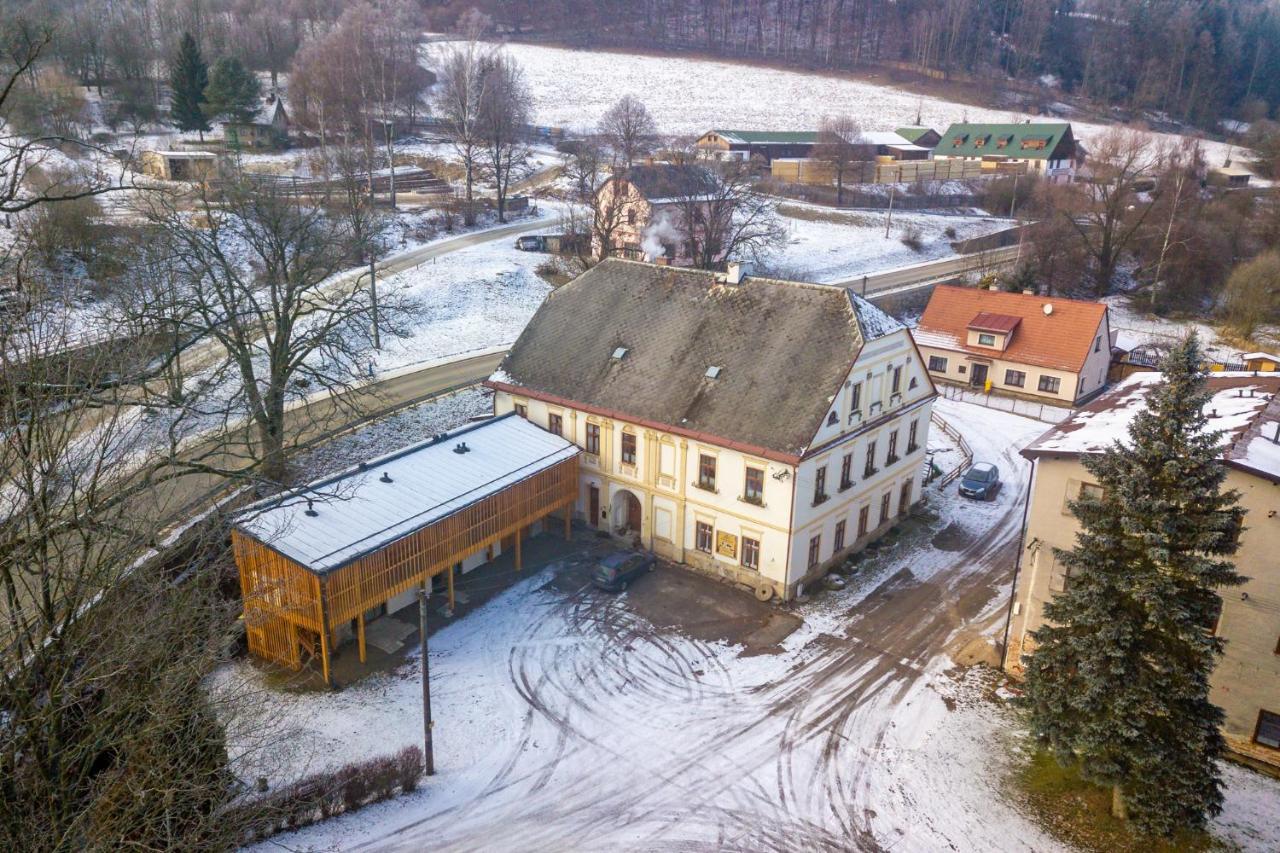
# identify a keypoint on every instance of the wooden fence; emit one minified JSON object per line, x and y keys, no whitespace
{"x":965,"y":450}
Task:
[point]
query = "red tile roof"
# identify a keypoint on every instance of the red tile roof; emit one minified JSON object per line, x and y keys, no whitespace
{"x":985,"y":321}
{"x":1060,"y":339}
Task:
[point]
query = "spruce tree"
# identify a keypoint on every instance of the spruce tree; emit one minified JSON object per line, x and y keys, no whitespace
{"x":233,"y":91}
{"x":188,"y":76}
{"x":1119,"y":680}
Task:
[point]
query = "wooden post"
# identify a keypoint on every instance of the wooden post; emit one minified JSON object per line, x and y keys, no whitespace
{"x":360,"y":634}
{"x":451,"y":588}
{"x":324,"y":638}
{"x":324,"y":654}
{"x":519,"y":530}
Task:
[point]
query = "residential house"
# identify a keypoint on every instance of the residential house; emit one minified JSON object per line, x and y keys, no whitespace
{"x":753,"y":429}
{"x":271,"y":132}
{"x":761,"y":145}
{"x":1044,"y":348}
{"x":644,"y":212}
{"x":1246,"y":683}
{"x":1047,"y":149}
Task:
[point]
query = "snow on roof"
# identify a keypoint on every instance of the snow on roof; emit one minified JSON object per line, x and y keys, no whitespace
{"x":885,"y":137}
{"x":1243,"y":406}
{"x":200,"y":155}
{"x":1260,"y":356}
{"x":358,"y":512}
{"x":873,"y":321}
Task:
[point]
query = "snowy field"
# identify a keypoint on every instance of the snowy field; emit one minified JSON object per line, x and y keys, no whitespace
{"x":565,"y":721}
{"x":573,"y":88}
{"x":854,"y":244}
{"x":472,"y":299}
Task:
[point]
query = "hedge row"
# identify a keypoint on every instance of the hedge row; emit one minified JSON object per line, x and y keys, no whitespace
{"x":324,"y":795}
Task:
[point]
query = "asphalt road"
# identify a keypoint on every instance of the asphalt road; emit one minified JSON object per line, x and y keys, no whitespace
{"x":313,"y":421}
{"x":932,"y":272}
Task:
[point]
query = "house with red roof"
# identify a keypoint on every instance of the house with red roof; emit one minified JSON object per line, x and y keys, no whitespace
{"x":1045,"y":348}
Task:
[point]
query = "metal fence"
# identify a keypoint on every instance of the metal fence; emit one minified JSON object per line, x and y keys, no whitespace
{"x":1014,"y":405}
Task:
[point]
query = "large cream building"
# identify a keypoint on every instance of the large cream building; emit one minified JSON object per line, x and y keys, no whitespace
{"x":1246,"y":683}
{"x":754,"y":429}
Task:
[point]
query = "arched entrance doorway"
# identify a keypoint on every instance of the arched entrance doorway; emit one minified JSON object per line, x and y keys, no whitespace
{"x":625,"y":514}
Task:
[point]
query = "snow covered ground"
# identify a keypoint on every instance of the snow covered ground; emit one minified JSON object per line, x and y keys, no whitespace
{"x":573,"y":88}
{"x":565,"y":721}
{"x":853,"y":244}
{"x":1136,"y":328}
{"x":472,"y":299}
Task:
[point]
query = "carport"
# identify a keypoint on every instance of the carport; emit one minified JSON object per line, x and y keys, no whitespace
{"x":323,"y":556}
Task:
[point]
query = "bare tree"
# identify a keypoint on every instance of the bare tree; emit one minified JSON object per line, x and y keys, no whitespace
{"x":1107,"y":214}
{"x":24,"y":158}
{"x":838,"y":147}
{"x":583,"y":161}
{"x":504,"y":114}
{"x":107,"y":738}
{"x":459,"y":100}
{"x":261,"y":319}
{"x":1181,"y":171}
{"x":727,"y":218}
{"x":628,"y":130}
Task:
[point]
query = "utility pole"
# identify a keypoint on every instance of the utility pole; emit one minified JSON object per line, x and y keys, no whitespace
{"x":1013,"y":202}
{"x":427,"y":724}
{"x":389,"y":128}
{"x":889,"y":221}
{"x":373,"y":301}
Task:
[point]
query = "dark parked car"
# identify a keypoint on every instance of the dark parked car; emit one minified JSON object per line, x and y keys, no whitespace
{"x":981,"y":481}
{"x":615,"y":572}
{"x":531,"y":243}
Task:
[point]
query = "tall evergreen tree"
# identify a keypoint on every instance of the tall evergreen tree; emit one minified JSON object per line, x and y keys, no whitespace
{"x":188,"y":77}
{"x":1119,"y":679}
{"x":233,"y":92}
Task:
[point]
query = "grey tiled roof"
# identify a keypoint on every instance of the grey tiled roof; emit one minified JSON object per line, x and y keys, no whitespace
{"x":667,"y":180}
{"x":783,"y":350}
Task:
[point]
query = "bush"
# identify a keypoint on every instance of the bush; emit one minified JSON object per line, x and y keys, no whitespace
{"x":409,"y":768}
{"x":913,"y":238}
{"x":324,"y":795}
{"x":1252,"y":296}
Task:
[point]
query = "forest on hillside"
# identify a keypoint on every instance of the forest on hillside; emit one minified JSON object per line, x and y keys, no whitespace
{"x":1195,"y":61}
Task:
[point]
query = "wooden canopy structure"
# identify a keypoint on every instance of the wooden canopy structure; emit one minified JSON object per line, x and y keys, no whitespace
{"x":320,"y":557}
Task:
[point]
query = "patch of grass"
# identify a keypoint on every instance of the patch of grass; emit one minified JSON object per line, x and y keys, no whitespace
{"x":812,"y":214}
{"x":1078,"y":813}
